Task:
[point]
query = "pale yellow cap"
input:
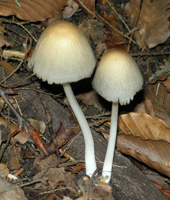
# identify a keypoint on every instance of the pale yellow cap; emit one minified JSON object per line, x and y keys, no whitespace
{"x":117,"y":77}
{"x":62,"y":54}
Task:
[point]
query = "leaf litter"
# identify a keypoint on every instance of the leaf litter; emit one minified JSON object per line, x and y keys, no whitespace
{"x":144,"y":136}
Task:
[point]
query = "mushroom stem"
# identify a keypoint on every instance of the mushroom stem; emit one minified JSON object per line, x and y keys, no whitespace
{"x":107,"y":167}
{"x":90,"y":163}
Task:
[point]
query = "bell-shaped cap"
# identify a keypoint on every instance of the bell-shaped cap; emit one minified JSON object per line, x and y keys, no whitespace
{"x":62,"y":54}
{"x":117,"y":77}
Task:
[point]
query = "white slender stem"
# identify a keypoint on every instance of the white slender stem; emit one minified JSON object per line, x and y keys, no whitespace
{"x":107,"y":167}
{"x":90,"y":163}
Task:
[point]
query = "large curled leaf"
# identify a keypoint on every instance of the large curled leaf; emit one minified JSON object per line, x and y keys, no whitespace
{"x":153,"y":153}
{"x":33,"y":10}
{"x":153,"y":21}
{"x":144,"y":126}
{"x":145,"y":138}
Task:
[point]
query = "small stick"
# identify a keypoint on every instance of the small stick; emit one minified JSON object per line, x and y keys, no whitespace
{"x":30,"y":129}
{"x":21,"y":25}
{"x":115,"y":11}
{"x":136,"y":21}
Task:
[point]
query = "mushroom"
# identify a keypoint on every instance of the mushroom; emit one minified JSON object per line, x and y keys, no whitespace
{"x":63,"y":55}
{"x":117,"y":79}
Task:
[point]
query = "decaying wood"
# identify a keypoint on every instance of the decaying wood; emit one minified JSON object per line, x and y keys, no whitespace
{"x":127,"y":181}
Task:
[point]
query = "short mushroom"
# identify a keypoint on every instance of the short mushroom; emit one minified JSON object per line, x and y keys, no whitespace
{"x":117,"y":79}
{"x":63,"y":55}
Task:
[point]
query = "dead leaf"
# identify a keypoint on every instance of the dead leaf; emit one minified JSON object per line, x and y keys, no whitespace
{"x":3,"y":41}
{"x":93,"y":29}
{"x":64,"y":134}
{"x":90,"y":99}
{"x":38,"y":125}
{"x":22,"y":136}
{"x":31,"y":10}
{"x":159,"y":97}
{"x":149,"y":107}
{"x":7,"y":67}
{"x":5,"y":106}
{"x":48,"y":162}
{"x":4,"y":171}
{"x":14,"y":158}
{"x":87,"y":5}
{"x":144,"y":126}
{"x":101,"y":190}
{"x":145,"y":138}
{"x":153,"y":21}
{"x":161,"y":73}
{"x":48,"y":172}
{"x":57,"y":17}
{"x":164,"y":79}
{"x":70,"y":9}
{"x":154,"y":153}
{"x":114,"y":38}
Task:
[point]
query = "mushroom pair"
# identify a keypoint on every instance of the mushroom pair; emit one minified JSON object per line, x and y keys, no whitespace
{"x":117,"y":79}
{"x":63,"y":55}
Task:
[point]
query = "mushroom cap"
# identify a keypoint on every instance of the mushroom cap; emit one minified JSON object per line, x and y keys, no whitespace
{"x":62,"y":54}
{"x":117,"y":77}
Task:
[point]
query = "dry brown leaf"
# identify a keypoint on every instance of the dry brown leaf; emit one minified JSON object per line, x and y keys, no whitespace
{"x":7,"y":67}
{"x":4,"y":171}
{"x":149,"y":107}
{"x":32,"y":10}
{"x":159,"y":97}
{"x":153,"y":21}
{"x":90,"y":98}
{"x":63,"y":135}
{"x":57,"y":17}
{"x":164,"y":79}
{"x":3,"y":41}
{"x":93,"y":29}
{"x":22,"y":136}
{"x":14,"y":158}
{"x":154,"y":153}
{"x":11,"y":100}
{"x":49,"y":172}
{"x":114,"y":39}
{"x":87,"y":5}
{"x":101,"y":190}
{"x":144,"y":126}
{"x":70,"y":9}
{"x":145,"y":138}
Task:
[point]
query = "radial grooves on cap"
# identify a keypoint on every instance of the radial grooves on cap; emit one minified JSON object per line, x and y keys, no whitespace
{"x":117,"y":77}
{"x":62,"y":55}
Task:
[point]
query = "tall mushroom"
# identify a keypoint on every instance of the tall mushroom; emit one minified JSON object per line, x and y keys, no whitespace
{"x":63,"y":55}
{"x":117,"y":79}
